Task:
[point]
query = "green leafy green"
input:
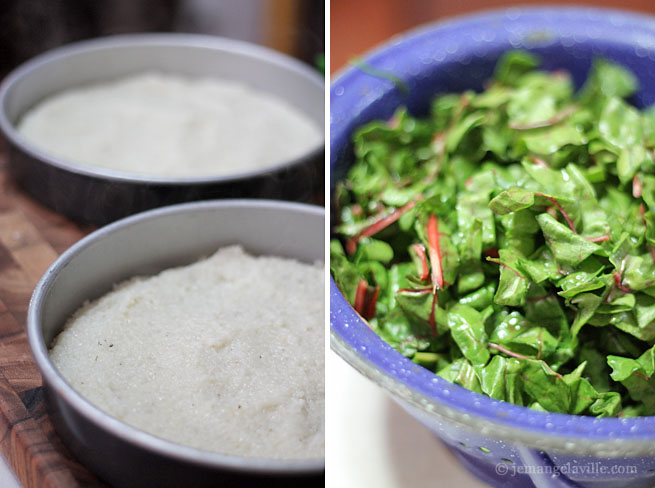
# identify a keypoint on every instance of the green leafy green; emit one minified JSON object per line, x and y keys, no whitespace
{"x":568,"y":247}
{"x":467,"y":329}
{"x":506,"y":242}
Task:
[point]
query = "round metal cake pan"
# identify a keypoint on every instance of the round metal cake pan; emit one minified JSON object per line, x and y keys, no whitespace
{"x":145,"y":244}
{"x":98,"y":196}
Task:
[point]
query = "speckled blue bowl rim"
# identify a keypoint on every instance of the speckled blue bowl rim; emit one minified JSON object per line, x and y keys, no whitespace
{"x":350,"y":93}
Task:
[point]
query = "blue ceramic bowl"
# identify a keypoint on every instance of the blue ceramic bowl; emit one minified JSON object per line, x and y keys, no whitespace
{"x":504,"y":444}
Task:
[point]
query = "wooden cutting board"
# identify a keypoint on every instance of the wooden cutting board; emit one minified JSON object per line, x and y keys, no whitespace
{"x":31,"y":238}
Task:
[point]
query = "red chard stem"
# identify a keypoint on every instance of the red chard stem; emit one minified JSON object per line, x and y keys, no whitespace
{"x":378,"y":225}
{"x":435,"y":252}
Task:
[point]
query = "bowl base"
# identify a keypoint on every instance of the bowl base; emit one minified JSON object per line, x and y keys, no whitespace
{"x":490,"y":472}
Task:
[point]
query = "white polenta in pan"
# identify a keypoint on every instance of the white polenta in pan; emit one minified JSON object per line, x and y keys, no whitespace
{"x":225,"y":355}
{"x":167,"y":125}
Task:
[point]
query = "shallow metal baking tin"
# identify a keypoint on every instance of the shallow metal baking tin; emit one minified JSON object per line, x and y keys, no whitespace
{"x":96,"y":195}
{"x":145,"y":244}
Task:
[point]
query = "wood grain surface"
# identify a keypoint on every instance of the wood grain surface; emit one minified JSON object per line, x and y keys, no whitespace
{"x":31,"y":238}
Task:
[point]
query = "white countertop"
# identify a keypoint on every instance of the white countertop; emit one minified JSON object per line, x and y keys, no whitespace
{"x":373,"y":442}
{"x":7,"y":477}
